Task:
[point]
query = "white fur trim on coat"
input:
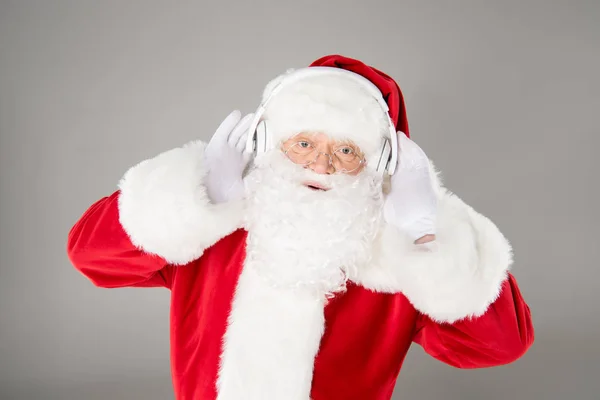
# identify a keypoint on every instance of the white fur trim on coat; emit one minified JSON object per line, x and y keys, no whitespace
{"x":457,"y":276}
{"x":271,"y":342}
{"x":164,"y":208}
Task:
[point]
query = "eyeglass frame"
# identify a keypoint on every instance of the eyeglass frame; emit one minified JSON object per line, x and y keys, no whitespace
{"x":361,"y":164}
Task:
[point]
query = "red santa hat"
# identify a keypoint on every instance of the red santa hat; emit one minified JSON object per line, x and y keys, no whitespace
{"x":340,"y":101}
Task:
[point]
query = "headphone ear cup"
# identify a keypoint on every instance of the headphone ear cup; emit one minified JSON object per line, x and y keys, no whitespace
{"x":261,"y":137}
{"x":384,"y":158}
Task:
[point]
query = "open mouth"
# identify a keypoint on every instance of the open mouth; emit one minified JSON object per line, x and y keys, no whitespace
{"x":316,"y":186}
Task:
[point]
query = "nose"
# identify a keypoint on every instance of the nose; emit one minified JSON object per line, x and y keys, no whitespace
{"x":322,"y":165}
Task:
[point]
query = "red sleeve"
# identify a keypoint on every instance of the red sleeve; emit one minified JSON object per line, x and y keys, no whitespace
{"x":500,"y":336}
{"x":100,"y":249}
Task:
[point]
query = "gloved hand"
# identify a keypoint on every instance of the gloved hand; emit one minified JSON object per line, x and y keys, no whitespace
{"x":226,"y":159}
{"x":411,"y":204}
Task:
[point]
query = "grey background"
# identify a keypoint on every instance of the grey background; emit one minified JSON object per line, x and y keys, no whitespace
{"x":503,"y":95}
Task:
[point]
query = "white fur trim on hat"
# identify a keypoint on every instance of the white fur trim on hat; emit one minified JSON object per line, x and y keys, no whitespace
{"x":332,"y":104}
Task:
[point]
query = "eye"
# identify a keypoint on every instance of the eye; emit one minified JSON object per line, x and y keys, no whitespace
{"x":346,"y":150}
{"x":304,"y":144}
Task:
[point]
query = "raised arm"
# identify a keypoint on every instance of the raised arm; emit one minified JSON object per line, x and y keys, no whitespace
{"x":472,"y":311}
{"x":159,"y":217}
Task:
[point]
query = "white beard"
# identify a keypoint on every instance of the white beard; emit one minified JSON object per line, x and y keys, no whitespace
{"x":301,"y":238}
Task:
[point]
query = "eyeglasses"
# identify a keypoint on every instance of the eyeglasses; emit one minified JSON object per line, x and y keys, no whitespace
{"x":345,"y":158}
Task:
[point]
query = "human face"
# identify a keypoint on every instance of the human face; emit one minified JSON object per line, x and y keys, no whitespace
{"x":324,"y":155}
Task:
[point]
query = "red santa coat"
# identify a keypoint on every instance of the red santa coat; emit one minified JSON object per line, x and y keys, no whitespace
{"x":159,"y":230}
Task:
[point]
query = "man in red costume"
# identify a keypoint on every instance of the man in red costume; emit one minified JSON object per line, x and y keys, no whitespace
{"x":308,"y":272}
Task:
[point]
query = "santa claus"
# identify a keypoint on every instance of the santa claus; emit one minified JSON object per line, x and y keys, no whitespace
{"x":306,"y":247}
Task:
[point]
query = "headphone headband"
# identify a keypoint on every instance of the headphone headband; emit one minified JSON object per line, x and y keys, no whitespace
{"x":299,"y":74}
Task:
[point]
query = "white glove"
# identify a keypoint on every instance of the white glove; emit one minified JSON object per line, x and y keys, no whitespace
{"x":226,"y":159}
{"x":411,"y":205}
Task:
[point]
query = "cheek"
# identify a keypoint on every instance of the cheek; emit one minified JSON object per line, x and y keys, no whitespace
{"x":358,"y":171}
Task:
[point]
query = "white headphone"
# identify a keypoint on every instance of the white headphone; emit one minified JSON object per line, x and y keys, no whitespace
{"x":260,"y":140}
